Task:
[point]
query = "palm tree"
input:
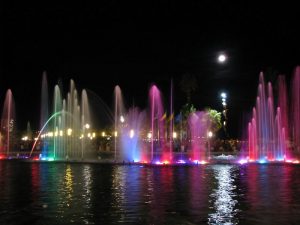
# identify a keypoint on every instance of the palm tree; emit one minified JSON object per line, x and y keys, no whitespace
{"x":215,"y":119}
{"x":188,"y":85}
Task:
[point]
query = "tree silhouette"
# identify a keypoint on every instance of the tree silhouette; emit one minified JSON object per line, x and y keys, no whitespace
{"x":188,"y":85}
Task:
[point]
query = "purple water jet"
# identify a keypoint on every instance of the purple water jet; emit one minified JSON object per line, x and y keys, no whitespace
{"x":199,"y":126}
{"x":8,"y":125}
{"x":295,"y":128}
{"x":157,"y":119}
{"x":272,"y":134}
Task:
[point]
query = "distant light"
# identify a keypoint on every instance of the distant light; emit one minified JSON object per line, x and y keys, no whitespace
{"x":122,"y":119}
{"x":69,"y":132}
{"x":116,"y":133}
{"x":222,"y":58}
{"x":149,"y":135}
{"x":199,"y":162}
{"x":87,"y":126}
{"x":243,"y":161}
{"x":224,"y":103}
{"x":209,"y":134}
{"x":174,"y":135}
{"x":103,"y":134}
{"x":131,"y":133}
{"x":262,"y":161}
{"x":223,"y":95}
{"x":24,"y":138}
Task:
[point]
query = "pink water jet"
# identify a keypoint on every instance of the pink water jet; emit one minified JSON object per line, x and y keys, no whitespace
{"x":295,"y":128}
{"x":8,"y":125}
{"x":157,"y":119}
{"x":199,"y":125}
{"x":274,"y":132}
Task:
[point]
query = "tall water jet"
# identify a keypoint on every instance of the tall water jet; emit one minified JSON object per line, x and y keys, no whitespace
{"x":171,"y":121}
{"x":119,"y":116}
{"x":283,"y":104}
{"x":69,"y":134}
{"x":199,"y":125}
{"x":131,"y":136}
{"x":29,"y":131}
{"x":8,"y":124}
{"x":157,"y":119}
{"x":295,"y":128}
{"x":266,"y":133}
{"x":44,"y":113}
{"x":57,"y":124}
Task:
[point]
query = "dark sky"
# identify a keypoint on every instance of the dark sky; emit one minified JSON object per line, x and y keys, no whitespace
{"x":135,"y":44}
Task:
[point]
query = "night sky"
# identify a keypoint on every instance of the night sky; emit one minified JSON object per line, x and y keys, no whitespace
{"x":133,"y":44}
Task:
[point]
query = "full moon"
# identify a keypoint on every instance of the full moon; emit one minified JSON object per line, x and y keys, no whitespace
{"x":221,"y":58}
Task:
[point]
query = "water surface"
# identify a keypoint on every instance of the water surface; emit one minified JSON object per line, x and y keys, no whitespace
{"x":74,"y":193}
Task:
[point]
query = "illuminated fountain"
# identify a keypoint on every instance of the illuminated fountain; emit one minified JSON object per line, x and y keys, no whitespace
{"x":131,"y":138}
{"x":67,"y":133}
{"x":199,"y":125}
{"x":157,"y":127}
{"x":147,"y":136}
{"x":119,"y":120}
{"x":44,"y":113}
{"x":141,"y":136}
{"x":270,"y":130}
{"x":129,"y":145}
{"x":295,"y":125}
{"x":7,"y":126}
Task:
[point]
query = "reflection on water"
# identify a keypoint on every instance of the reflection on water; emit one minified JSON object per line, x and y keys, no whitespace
{"x":224,"y":196}
{"x":88,"y":181}
{"x":68,"y":185}
{"x":62,"y":193}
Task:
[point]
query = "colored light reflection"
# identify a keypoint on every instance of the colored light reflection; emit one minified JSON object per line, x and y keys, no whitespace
{"x":266,"y":160}
{"x":45,"y":158}
{"x":262,"y":161}
{"x":199,"y":162}
{"x":243,"y":161}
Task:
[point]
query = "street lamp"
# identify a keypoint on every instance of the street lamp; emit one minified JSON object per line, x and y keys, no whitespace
{"x":224,"y":104}
{"x":223,"y":95}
